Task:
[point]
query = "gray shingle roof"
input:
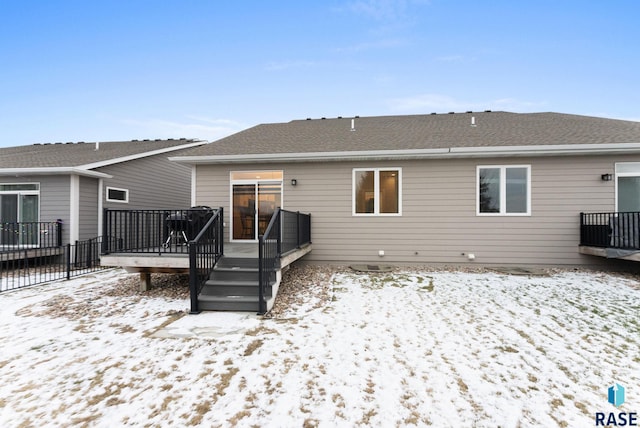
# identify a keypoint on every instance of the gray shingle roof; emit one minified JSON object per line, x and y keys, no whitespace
{"x":492,"y":129}
{"x":80,"y":154}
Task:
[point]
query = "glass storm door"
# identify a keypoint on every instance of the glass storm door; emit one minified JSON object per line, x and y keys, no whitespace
{"x":253,"y":202}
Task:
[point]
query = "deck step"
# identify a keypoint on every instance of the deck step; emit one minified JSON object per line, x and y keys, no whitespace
{"x":232,"y":288}
{"x":228,"y":303}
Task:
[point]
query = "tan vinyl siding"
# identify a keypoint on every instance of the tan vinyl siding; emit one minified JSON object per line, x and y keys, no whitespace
{"x":153,"y":183}
{"x":439,"y":222}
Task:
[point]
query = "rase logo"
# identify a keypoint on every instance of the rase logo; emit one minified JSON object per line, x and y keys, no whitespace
{"x":616,"y":396}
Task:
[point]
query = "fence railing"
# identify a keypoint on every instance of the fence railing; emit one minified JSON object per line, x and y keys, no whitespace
{"x":286,"y":232}
{"x":36,"y":234}
{"x":152,"y":231}
{"x":26,"y":267}
{"x":205,"y":249}
{"x":610,"y":230}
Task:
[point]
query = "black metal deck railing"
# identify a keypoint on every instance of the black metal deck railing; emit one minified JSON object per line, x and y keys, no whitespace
{"x":152,"y":231}
{"x":610,"y":230}
{"x":35,"y":234}
{"x":286,"y":232}
{"x":205,"y":249}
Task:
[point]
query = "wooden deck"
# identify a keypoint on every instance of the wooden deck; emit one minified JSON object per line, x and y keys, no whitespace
{"x":170,"y":262}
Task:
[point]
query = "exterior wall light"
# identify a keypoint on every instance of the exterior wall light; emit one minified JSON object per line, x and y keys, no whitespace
{"x":294,"y":182}
{"x":606,"y":177}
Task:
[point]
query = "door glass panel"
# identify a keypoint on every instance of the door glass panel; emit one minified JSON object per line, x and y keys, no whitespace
{"x":9,"y":214}
{"x":29,"y":233}
{"x":269,"y":198}
{"x":628,"y":194}
{"x":244,"y":211}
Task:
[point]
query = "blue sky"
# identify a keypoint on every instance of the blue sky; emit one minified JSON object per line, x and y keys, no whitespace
{"x":120,"y":70}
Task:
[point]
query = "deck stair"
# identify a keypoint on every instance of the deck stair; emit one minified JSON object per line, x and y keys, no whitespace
{"x":233,"y":286}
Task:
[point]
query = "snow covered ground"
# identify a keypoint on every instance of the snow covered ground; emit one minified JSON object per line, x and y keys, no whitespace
{"x":404,"y":348}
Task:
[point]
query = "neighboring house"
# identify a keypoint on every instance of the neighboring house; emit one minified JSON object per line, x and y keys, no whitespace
{"x":74,"y":182}
{"x":487,"y":187}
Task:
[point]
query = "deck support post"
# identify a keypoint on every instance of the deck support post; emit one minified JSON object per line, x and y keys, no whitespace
{"x":145,"y":281}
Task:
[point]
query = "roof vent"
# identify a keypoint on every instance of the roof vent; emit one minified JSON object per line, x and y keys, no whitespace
{"x":323,"y":118}
{"x":308,"y":118}
{"x":469,"y":111}
{"x":146,"y":139}
{"x":134,"y":140}
{"x":182,"y":139}
{"x":357,"y":117}
{"x":59,"y":142}
{"x":80,"y":142}
{"x":452,"y":112}
{"x":37,"y":144}
{"x":487,"y":111}
{"x":69,"y":143}
{"x":433,"y":114}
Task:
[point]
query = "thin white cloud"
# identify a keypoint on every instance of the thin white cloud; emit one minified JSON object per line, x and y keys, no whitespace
{"x":197,"y":127}
{"x":451,"y":58}
{"x":444,"y":103}
{"x":285,"y":65}
{"x":380,"y":44}
{"x":383,"y":10}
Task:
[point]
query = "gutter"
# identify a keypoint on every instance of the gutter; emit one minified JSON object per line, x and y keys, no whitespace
{"x":53,"y":171}
{"x":452,"y":152}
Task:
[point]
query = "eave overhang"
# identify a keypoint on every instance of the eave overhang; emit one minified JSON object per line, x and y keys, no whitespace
{"x":441,"y":153}
{"x":20,"y":172}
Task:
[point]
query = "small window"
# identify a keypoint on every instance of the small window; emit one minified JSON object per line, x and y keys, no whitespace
{"x":504,"y":190}
{"x":117,"y":195}
{"x":377,"y":191}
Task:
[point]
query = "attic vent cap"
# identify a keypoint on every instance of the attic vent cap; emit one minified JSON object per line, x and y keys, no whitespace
{"x":323,"y":118}
{"x":339,"y":117}
{"x":182,"y":138}
{"x":80,"y":142}
{"x":469,"y":111}
{"x":487,"y":111}
{"x":308,"y":118}
{"x":433,"y":113}
{"x":357,"y":117}
{"x":452,"y":112}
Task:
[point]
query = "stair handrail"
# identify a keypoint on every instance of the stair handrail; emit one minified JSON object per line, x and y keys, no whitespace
{"x":269,"y":250}
{"x":204,"y":252}
{"x":287,"y":231}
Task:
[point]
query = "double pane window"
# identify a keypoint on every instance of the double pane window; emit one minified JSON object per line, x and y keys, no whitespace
{"x":377,"y":191}
{"x":504,"y":190}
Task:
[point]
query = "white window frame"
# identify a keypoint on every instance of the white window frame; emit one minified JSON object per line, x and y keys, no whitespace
{"x":624,"y":169}
{"x":376,"y":189}
{"x":503,"y":190}
{"x":30,"y":192}
{"x":126,"y":193}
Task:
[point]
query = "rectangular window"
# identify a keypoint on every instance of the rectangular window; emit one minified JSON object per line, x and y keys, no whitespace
{"x":504,"y":190}
{"x":377,"y":191}
{"x":117,"y":195}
